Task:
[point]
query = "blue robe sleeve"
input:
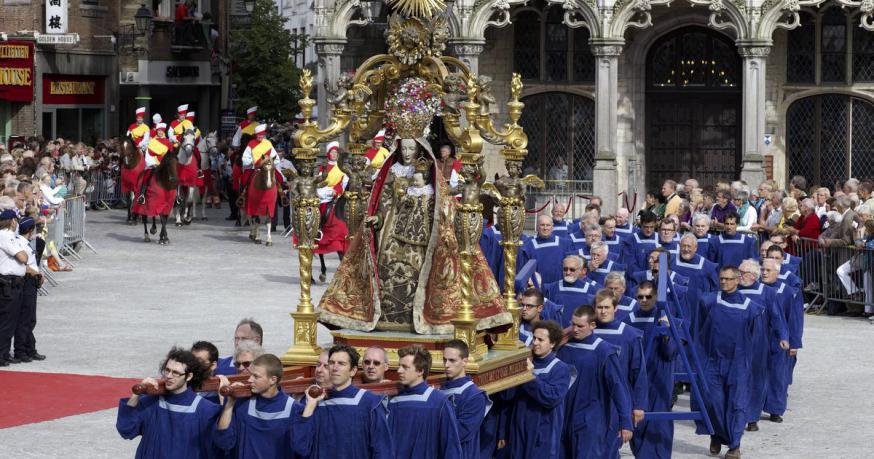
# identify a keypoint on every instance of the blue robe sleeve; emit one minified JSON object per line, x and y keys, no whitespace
{"x":303,"y":434}
{"x":637,"y":376}
{"x":549,"y":391}
{"x":665,"y":346}
{"x":470,"y":416}
{"x":449,"y":433}
{"x":779,"y":329}
{"x":381,"y":444}
{"x":618,"y":388}
{"x":227,"y":439}
{"x":795,"y":320}
{"x":129,"y":422}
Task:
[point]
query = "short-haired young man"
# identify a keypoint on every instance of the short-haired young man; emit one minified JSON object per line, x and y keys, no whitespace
{"x":179,"y":423}
{"x":598,"y":404}
{"x":207,"y":353}
{"x":422,"y":421}
{"x":536,"y":412}
{"x":345,"y":421}
{"x":732,"y":247}
{"x":470,"y":402}
{"x":263,"y":425}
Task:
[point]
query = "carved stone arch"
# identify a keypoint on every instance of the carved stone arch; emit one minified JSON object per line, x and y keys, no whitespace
{"x":783,"y":14}
{"x":484,"y":16}
{"x":580,"y":14}
{"x":723,"y":15}
{"x":858,"y":94}
{"x":526,"y":9}
{"x":544,"y":89}
{"x":342,"y":19}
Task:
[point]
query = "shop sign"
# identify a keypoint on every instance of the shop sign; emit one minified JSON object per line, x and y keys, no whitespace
{"x":73,"y":89}
{"x":16,"y":71}
{"x":58,"y":39}
{"x":56,"y":16}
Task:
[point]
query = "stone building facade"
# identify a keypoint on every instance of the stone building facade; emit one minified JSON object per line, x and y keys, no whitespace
{"x":621,"y":95}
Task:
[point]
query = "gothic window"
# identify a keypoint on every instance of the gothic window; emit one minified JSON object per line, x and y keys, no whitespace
{"x":801,"y":51}
{"x":561,"y":135}
{"x":547,"y":50}
{"x":834,"y":45}
{"x":830,"y":138}
{"x":693,"y":58}
{"x":863,"y":55}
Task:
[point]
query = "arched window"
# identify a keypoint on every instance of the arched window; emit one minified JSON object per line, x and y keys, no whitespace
{"x":547,"y":50}
{"x":834,"y":46}
{"x":801,"y":51}
{"x":693,"y":58}
{"x":863,"y":55}
{"x":829,"y":138}
{"x":561,"y":135}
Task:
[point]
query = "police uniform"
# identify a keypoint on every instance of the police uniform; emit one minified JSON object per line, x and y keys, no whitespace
{"x":25,"y":342}
{"x":11,"y":277}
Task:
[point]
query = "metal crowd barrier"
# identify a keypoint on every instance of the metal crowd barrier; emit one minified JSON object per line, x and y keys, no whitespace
{"x":74,"y":225}
{"x":103,"y":188}
{"x":836,"y":275}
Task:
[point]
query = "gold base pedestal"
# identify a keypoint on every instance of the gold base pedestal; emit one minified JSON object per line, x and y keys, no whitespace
{"x":301,"y":352}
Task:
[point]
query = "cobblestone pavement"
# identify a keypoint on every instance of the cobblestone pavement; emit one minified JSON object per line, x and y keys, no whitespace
{"x":120,"y":310}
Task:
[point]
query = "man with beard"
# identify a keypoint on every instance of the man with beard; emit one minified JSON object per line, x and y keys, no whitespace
{"x":572,"y":290}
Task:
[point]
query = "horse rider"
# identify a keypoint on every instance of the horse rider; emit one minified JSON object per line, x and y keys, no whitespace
{"x":179,"y":125}
{"x":158,"y":147}
{"x":247,"y":126}
{"x":254,"y":155}
{"x":197,"y":137}
{"x":139,"y":131}
{"x":156,"y":120}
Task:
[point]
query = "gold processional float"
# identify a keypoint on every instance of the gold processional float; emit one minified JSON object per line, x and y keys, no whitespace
{"x":404,"y":90}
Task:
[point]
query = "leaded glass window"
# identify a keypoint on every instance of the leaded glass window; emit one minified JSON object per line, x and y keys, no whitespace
{"x":830,"y":138}
{"x":693,"y":58}
{"x":834,"y":45}
{"x":863,"y":55}
{"x":801,"y":51}
{"x":547,"y":50}
{"x":526,"y":45}
{"x":561,"y":134}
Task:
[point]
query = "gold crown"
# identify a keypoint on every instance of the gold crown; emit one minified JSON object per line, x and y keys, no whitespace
{"x":410,"y":125}
{"x":423,"y":165}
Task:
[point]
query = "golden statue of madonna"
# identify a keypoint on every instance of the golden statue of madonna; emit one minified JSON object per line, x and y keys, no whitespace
{"x":402,"y":270}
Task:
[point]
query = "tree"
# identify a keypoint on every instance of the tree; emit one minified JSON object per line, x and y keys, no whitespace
{"x":264,"y":72}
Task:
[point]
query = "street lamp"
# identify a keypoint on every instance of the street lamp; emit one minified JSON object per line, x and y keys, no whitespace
{"x":371,"y":9}
{"x":250,"y":5}
{"x":143,"y":19}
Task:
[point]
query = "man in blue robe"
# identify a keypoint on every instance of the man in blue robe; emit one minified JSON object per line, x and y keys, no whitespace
{"x":611,"y":237}
{"x":703,"y":274}
{"x":471,"y":403}
{"x":178,"y":423}
{"x":652,"y":273}
{"x":561,"y":226}
{"x":593,"y":235}
{"x":654,"y":439}
{"x":600,"y":265}
{"x":725,"y":327}
{"x":598,"y":404}
{"x":547,"y":248}
{"x":615,"y":282}
{"x":534,"y":308}
{"x":782,"y":362}
{"x":572,"y":290}
{"x":344,"y":421}
{"x":706,"y":241}
{"x":667,"y":237}
{"x":624,"y":228}
{"x":208,"y":355}
{"x":732,"y":248}
{"x":792,"y":263}
{"x":786,"y":275}
{"x":771,"y":335}
{"x":535,"y":416}
{"x":263,"y":425}
{"x":247,"y":330}
{"x":640,"y":243}
{"x":421,"y":418}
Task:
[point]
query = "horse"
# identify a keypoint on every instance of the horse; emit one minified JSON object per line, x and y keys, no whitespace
{"x":132,"y":165}
{"x":212,"y":167}
{"x":260,"y":199}
{"x":160,"y":197}
{"x":187,"y":196}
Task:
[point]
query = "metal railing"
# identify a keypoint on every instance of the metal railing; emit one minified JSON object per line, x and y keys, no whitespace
{"x":103,"y":188}
{"x":836,"y":275}
{"x":65,"y":235}
{"x":570,"y":193}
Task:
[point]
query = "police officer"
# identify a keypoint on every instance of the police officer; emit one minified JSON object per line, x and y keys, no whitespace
{"x":25,"y":342}
{"x":13,"y":266}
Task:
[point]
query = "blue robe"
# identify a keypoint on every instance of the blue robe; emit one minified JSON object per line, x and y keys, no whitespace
{"x":536,"y":411}
{"x":614,"y":245}
{"x":598,"y":404}
{"x":629,"y":340}
{"x":626,"y":306}
{"x":726,"y":324}
{"x":600,"y":274}
{"x":471,"y":407}
{"x":225,"y":366}
{"x":637,"y":249}
{"x":707,"y":247}
{"x":261,"y":428}
{"x":578,"y":240}
{"x":422,"y":423}
{"x":672,"y":246}
{"x":171,"y":425}
{"x":549,"y":253}
{"x":655,"y":439}
{"x":770,"y":330}
{"x":587,"y":255}
{"x":625,"y":231}
{"x":791,"y":263}
{"x":789,"y":278}
{"x":569,"y":296}
{"x":781,"y":364}
{"x":633,"y":280}
{"x":564,"y":227}
{"x":490,"y":244}
{"x":703,"y":274}
{"x":732,"y":250}
{"x":350,"y":423}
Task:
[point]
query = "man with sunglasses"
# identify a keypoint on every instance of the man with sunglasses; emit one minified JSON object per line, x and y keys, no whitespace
{"x":179,"y":423}
{"x":248,"y":330}
{"x":771,"y":335}
{"x":655,"y":439}
{"x":344,"y":421}
{"x":725,"y":322}
{"x":246,"y":353}
{"x":572,"y":289}
{"x":375,"y":365}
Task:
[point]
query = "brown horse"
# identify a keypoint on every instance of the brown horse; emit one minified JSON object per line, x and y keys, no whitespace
{"x":259,"y":199}
{"x":160,"y":197}
{"x":132,"y":165}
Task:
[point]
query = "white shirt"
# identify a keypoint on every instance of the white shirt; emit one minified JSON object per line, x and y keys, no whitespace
{"x":248,"y":159}
{"x":11,"y":244}
{"x":751,"y":217}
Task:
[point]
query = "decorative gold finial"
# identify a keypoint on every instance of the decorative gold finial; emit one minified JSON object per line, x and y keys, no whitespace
{"x":417,"y":8}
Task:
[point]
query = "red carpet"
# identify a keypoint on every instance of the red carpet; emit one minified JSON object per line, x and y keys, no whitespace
{"x":36,"y":397}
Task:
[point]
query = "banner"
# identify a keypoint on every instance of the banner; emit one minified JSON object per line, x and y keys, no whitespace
{"x":16,"y":71}
{"x":73,"y":89}
{"x":56,"y":16}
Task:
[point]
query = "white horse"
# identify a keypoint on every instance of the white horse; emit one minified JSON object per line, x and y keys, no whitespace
{"x":187,"y":195}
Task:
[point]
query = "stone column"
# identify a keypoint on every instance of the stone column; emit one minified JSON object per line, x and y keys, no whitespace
{"x":604,"y":176}
{"x":328,"y":53}
{"x":754,"y":56}
{"x":468,"y":52}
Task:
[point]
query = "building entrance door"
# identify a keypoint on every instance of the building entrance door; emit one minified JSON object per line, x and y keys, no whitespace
{"x":693,"y":100}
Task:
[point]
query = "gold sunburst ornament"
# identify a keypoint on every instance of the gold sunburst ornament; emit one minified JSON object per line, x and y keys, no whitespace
{"x":417,"y":8}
